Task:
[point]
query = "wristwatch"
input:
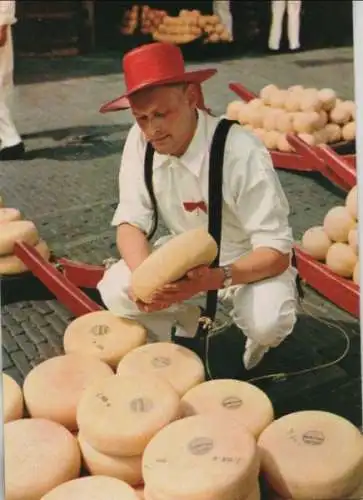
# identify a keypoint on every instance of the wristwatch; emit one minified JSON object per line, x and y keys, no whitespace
{"x":227,"y":271}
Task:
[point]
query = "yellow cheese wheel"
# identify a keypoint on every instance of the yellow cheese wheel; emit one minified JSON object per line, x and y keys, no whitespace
{"x":340,"y":115}
{"x":266,"y":93}
{"x":283,"y":144}
{"x":20,"y":230}
{"x":312,"y":454}
{"x":233,"y":109}
{"x":39,"y":455}
{"x":271,"y":139}
{"x":11,"y":265}
{"x":351,"y":202}
{"x":256,"y":103}
{"x":119,"y":415}
{"x":13,"y":401}
{"x":341,"y":259}
{"x":103,"y":335}
{"x":337,"y":223}
{"x":316,"y":242}
{"x":292,"y":101}
{"x":92,"y":488}
{"x":255,"y":116}
{"x":285,"y":123}
{"x":349,"y":131}
{"x":172,"y":261}
{"x":201,"y":457}
{"x":254,"y":495}
{"x":127,"y":469}
{"x":304,"y":123}
{"x":277,"y":98}
{"x":1,"y":202}
{"x":179,"y":366}
{"x":9,"y":215}
{"x":356,"y":276}
{"x":241,"y":400}
{"x":62,"y":379}
{"x":333,"y":132}
{"x":308,"y":138}
{"x":328,"y":98}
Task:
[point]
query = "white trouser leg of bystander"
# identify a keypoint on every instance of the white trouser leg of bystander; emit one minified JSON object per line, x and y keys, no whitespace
{"x":222,"y":8}
{"x":293,"y":23}
{"x":8,"y":133}
{"x":278,"y":8}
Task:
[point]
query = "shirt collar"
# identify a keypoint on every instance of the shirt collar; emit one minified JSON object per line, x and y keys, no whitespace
{"x":193,"y":158}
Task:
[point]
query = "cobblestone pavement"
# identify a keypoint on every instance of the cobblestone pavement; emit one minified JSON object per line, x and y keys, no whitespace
{"x":68,"y":187}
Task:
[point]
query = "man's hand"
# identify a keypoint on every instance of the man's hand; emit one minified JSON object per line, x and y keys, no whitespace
{"x":3,"y":35}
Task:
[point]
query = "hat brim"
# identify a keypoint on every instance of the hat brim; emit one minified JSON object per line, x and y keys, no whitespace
{"x":122,"y":102}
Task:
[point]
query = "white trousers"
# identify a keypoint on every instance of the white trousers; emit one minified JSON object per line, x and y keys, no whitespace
{"x":8,"y":133}
{"x":278,"y":8}
{"x":222,"y":9}
{"x":265,"y":311}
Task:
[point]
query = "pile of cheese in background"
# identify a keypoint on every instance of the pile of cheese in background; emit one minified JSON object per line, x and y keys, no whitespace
{"x":316,"y":116}
{"x":14,"y":228}
{"x":336,"y":242}
{"x":143,"y":422}
{"x":187,"y":26}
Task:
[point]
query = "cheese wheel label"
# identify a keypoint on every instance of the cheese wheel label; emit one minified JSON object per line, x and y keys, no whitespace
{"x":200,"y":445}
{"x":232,"y":402}
{"x":100,"y":330}
{"x":160,"y":362}
{"x":141,"y":405}
{"x":314,"y":438}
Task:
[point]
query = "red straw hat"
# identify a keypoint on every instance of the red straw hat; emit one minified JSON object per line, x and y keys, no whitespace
{"x":151,"y":65}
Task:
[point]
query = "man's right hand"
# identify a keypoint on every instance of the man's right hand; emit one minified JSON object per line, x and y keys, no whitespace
{"x":3,"y":35}
{"x":147,"y":308}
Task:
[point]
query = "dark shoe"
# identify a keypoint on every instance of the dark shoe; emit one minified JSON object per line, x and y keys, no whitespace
{"x":13,"y":152}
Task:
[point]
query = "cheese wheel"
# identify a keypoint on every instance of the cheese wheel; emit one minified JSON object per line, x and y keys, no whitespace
{"x":341,"y":259}
{"x":241,"y":400}
{"x":9,"y":215}
{"x":53,"y":388}
{"x":353,"y":240}
{"x":337,"y":223}
{"x":119,"y":415}
{"x":316,"y":242}
{"x":233,"y":109}
{"x":351,"y":202}
{"x":92,"y":488}
{"x":312,"y":454}
{"x":127,"y":469}
{"x":1,"y":202}
{"x":328,"y":98}
{"x":254,"y":495}
{"x":172,"y":261}
{"x":349,"y":131}
{"x":203,"y":457}
{"x":179,"y":366}
{"x":19,"y":230}
{"x":11,"y":264}
{"x":13,"y":401}
{"x":39,"y":455}
{"x":356,"y":276}
{"x":103,"y":335}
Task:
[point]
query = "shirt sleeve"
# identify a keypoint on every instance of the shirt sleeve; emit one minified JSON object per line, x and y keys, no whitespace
{"x":259,"y":199}
{"x":134,"y":207}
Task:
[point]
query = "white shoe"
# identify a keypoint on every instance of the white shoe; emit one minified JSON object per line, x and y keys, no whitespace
{"x":253,"y":354}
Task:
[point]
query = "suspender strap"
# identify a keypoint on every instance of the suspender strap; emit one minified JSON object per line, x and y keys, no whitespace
{"x":299,"y":287}
{"x":215,"y":196}
{"x":148,"y":177}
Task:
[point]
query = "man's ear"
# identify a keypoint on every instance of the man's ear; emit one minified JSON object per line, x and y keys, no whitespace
{"x":192,"y":95}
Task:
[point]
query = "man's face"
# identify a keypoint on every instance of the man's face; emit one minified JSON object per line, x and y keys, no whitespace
{"x":167,"y":117}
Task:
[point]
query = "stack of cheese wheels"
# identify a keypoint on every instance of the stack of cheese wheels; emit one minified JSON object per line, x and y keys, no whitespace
{"x":13,"y":230}
{"x":172,"y":261}
{"x":312,"y":454}
{"x":179,"y":29}
{"x":180,"y":366}
{"x":317,"y":116}
{"x":202,"y":457}
{"x":39,"y":455}
{"x":53,"y":388}
{"x":336,"y":241}
{"x":13,"y":401}
{"x":92,"y":488}
{"x":241,"y":400}
{"x":130,"y":20}
{"x":103,"y":335}
{"x":117,"y":417}
{"x":151,"y":19}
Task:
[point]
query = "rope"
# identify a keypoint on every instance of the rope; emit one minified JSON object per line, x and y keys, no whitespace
{"x":279,"y":376}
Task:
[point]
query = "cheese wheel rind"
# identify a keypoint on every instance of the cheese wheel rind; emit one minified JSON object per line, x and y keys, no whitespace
{"x":172,"y":261}
{"x":13,"y":401}
{"x":11,"y":264}
{"x":327,"y":453}
{"x":92,"y":488}
{"x":9,"y":215}
{"x":119,"y":415}
{"x":103,"y":335}
{"x":241,"y":400}
{"x":20,"y":230}
{"x":39,"y":455}
{"x":63,"y":380}
{"x":179,"y":366}
{"x":203,"y":457}
{"x":126,"y":469}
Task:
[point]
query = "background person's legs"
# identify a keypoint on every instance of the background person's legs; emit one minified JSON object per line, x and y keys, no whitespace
{"x":222,"y":8}
{"x":278,"y":8}
{"x":293,"y":23}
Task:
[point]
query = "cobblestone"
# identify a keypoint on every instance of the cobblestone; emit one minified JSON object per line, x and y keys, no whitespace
{"x":72,"y":167}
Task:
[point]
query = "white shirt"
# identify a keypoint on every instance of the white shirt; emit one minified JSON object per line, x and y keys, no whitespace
{"x":7,"y":18}
{"x":255,"y":209}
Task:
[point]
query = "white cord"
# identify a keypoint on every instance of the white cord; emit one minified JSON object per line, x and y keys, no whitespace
{"x":284,"y":375}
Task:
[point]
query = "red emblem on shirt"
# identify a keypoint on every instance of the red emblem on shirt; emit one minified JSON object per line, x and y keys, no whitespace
{"x":190,"y":206}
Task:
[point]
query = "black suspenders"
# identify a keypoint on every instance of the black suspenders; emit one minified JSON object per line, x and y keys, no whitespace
{"x":215,"y":199}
